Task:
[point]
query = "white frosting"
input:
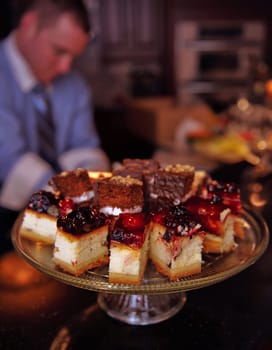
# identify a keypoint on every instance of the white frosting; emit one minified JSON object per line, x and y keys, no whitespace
{"x":84,"y":197}
{"x":115,"y":211}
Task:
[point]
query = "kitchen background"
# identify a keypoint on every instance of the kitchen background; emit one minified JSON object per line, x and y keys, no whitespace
{"x":168,"y":50}
{"x":159,"y":47}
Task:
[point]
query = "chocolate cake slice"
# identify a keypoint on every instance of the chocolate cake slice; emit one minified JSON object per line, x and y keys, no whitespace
{"x":119,"y":194}
{"x":75,"y":184}
{"x":137,"y":168}
{"x":168,"y":186}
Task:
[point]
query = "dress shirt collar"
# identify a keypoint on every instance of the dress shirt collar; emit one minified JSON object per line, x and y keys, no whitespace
{"x":21,"y":68}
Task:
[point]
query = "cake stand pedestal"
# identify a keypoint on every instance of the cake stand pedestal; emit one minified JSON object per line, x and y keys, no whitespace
{"x":141,"y":309}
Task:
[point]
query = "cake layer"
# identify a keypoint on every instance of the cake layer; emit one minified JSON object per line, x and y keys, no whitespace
{"x":223,"y":243}
{"x":39,"y":226}
{"x":168,"y":186}
{"x":137,"y":168}
{"x":217,"y":221}
{"x":129,"y":245}
{"x":179,"y":257}
{"x":127,"y":264}
{"x":40,"y":216}
{"x":119,"y":194}
{"x":76,"y":254}
{"x":74,"y":184}
{"x":81,"y":240}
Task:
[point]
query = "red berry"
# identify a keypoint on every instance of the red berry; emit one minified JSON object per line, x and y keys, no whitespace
{"x":133,"y":222}
{"x":66,"y":206}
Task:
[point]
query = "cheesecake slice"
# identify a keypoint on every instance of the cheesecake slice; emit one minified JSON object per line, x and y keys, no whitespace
{"x":129,"y":244}
{"x":218,"y":206}
{"x":176,"y":241}
{"x":81,"y":240}
{"x":40,"y":217}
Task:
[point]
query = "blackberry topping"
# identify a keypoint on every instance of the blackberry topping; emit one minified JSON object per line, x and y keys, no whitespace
{"x":44,"y":202}
{"x":232,"y":188}
{"x":168,"y":235}
{"x":215,"y":199}
{"x":82,"y":220}
{"x":129,"y":238}
{"x":221,"y":188}
{"x":178,"y":210}
{"x":226,"y":193}
{"x":179,"y":222}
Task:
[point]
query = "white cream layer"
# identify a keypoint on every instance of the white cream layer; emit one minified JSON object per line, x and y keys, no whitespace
{"x":115,"y":211}
{"x":86,"y":196}
{"x":75,"y":251}
{"x":41,"y":225}
{"x":124,"y":260}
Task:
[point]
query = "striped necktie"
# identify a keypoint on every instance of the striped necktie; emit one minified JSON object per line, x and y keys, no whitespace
{"x":45,"y":124}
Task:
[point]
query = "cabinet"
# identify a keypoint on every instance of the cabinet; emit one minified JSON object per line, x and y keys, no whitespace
{"x":131,"y":30}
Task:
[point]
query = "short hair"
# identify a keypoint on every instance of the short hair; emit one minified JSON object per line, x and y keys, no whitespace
{"x":52,"y":8}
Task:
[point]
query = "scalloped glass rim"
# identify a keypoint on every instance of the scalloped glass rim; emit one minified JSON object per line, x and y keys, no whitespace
{"x":215,"y":268}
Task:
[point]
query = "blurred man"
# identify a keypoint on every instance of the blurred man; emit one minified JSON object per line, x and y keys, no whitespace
{"x":37,"y":56}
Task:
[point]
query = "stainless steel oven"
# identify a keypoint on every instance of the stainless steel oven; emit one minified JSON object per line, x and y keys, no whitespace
{"x":213,"y":58}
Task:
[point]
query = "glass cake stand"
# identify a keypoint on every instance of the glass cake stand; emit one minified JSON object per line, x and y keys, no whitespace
{"x":156,"y":299}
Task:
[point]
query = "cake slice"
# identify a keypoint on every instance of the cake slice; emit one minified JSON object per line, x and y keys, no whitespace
{"x":40,"y":216}
{"x":81,"y":240}
{"x":200,"y":182}
{"x":136,"y":168}
{"x":229,"y":194}
{"x":168,"y":186}
{"x":74,"y":184}
{"x":176,"y":240}
{"x":119,"y":194}
{"x":141,"y":169}
{"x":129,"y":243}
{"x":217,"y":220}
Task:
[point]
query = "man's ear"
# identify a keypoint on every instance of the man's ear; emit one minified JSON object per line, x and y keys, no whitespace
{"x":29,"y":23}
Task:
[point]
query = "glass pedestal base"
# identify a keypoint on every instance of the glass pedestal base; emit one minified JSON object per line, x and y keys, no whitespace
{"x":139,"y":309}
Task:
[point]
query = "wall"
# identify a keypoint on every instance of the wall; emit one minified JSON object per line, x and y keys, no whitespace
{"x":108,"y":64}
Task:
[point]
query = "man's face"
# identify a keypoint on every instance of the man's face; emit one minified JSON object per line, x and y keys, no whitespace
{"x":54,"y":47}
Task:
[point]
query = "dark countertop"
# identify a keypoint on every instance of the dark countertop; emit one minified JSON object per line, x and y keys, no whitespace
{"x":233,"y":314}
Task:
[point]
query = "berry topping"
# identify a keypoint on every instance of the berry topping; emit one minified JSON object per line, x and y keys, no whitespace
{"x":207,"y":211}
{"x":129,"y":229}
{"x":133,"y":239}
{"x":82,"y":220}
{"x":44,"y":202}
{"x":133,"y":222}
{"x":179,"y":222}
{"x":228,"y":193}
{"x":66,"y":206}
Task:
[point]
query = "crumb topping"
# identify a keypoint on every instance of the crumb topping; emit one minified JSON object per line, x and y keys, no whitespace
{"x":127,"y":180}
{"x":178,"y":168}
